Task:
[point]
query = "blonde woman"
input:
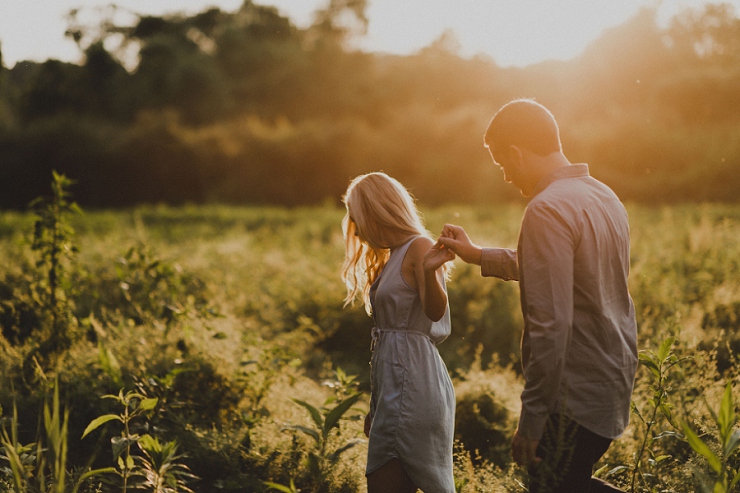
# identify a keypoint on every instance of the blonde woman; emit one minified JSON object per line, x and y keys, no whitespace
{"x":394,"y":267}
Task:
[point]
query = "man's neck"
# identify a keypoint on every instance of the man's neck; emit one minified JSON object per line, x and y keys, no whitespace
{"x":544,"y":166}
{"x":551,"y":162}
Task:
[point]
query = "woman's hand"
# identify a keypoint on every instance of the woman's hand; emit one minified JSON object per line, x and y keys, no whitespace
{"x":437,"y":256}
{"x":368,"y":424}
{"x":456,"y":239}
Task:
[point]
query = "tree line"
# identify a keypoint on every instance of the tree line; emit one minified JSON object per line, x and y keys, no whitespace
{"x":245,"y":107}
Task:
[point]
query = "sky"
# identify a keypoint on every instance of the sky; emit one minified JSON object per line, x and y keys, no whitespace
{"x":511,"y":32}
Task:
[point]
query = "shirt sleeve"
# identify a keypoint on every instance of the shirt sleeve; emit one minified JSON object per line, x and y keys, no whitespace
{"x":547,"y":250}
{"x":499,"y":262}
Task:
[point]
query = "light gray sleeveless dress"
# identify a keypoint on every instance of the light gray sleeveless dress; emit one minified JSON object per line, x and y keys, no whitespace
{"x":413,"y":402}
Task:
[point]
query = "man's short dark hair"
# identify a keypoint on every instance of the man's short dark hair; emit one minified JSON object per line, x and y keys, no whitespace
{"x":526,"y":124}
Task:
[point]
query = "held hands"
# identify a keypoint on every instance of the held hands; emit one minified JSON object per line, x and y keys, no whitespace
{"x":437,"y":256}
{"x":456,"y":239}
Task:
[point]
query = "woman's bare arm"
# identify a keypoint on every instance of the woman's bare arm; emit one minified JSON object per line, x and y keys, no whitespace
{"x":426,"y":259}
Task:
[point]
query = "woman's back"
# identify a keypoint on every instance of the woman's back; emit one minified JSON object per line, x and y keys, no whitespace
{"x":413,"y":399}
{"x":397,"y":305}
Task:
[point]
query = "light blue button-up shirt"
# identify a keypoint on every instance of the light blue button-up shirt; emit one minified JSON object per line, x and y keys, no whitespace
{"x":579,"y":345}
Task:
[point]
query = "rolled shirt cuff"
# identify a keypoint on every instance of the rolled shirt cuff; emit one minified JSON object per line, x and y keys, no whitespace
{"x":531,"y":426}
{"x":499,"y":262}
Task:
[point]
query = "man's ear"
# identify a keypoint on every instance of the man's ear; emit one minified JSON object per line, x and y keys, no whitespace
{"x":515,"y":155}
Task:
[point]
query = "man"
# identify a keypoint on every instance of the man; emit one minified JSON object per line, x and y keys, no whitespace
{"x":579,"y":353}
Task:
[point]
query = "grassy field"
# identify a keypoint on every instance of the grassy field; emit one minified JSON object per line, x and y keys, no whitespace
{"x":227,"y":327}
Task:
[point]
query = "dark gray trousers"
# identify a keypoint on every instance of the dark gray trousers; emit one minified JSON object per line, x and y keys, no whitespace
{"x":568,"y":452}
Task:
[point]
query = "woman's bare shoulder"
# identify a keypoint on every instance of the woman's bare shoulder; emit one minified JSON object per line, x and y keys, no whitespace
{"x":419,"y":247}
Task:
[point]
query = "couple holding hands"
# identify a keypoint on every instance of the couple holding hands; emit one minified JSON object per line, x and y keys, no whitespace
{"x":578,"y":347}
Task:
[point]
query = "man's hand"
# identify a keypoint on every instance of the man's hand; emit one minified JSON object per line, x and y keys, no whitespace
{"x":523,"y":450}
{"x":456,"y":239}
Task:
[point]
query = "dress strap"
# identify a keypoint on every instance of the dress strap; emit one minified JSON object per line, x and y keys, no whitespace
{"x":405,"y":246}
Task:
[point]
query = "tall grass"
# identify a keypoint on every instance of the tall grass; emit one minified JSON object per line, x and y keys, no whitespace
{"x":229,"y":316}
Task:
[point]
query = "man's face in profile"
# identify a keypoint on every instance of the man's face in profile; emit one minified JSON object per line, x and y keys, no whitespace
{"x":508,"y":166}
{"x":514,"y":166}
{"x":503,"y":168}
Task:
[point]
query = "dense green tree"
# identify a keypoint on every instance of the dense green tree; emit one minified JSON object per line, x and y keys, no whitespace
{"x":711,"y":35}
{"x":55,"y":87}
{"x":103,"y":77}
{"x":705,"y":86}
{"x":5,"y":115}
{"x":334,"y":26}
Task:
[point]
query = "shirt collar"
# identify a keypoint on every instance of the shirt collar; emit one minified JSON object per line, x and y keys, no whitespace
{"x":571,"y":171}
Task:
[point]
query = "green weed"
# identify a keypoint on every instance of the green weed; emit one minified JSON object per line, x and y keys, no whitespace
{"x":660,"y":364}
{"x":726,"y":440}
{"x":323,"y":457}
{"x":53,"y":241}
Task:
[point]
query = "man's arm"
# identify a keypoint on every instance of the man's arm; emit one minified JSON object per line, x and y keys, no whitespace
{"x":494,"y":262}
{"x":547,"y":250}
{"x":499,"y":262}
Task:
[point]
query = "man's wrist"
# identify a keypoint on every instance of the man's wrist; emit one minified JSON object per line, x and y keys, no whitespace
{"x":478,"y":255}
{"x":475,"y":255}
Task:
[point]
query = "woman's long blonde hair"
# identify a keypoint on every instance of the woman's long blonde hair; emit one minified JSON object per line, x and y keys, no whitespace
{"x":379,"y":211}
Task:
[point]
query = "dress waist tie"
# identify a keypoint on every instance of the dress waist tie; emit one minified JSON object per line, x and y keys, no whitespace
{"x":375,"y":334}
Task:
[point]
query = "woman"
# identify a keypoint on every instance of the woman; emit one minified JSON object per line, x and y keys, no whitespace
{"x":392,"y":264}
